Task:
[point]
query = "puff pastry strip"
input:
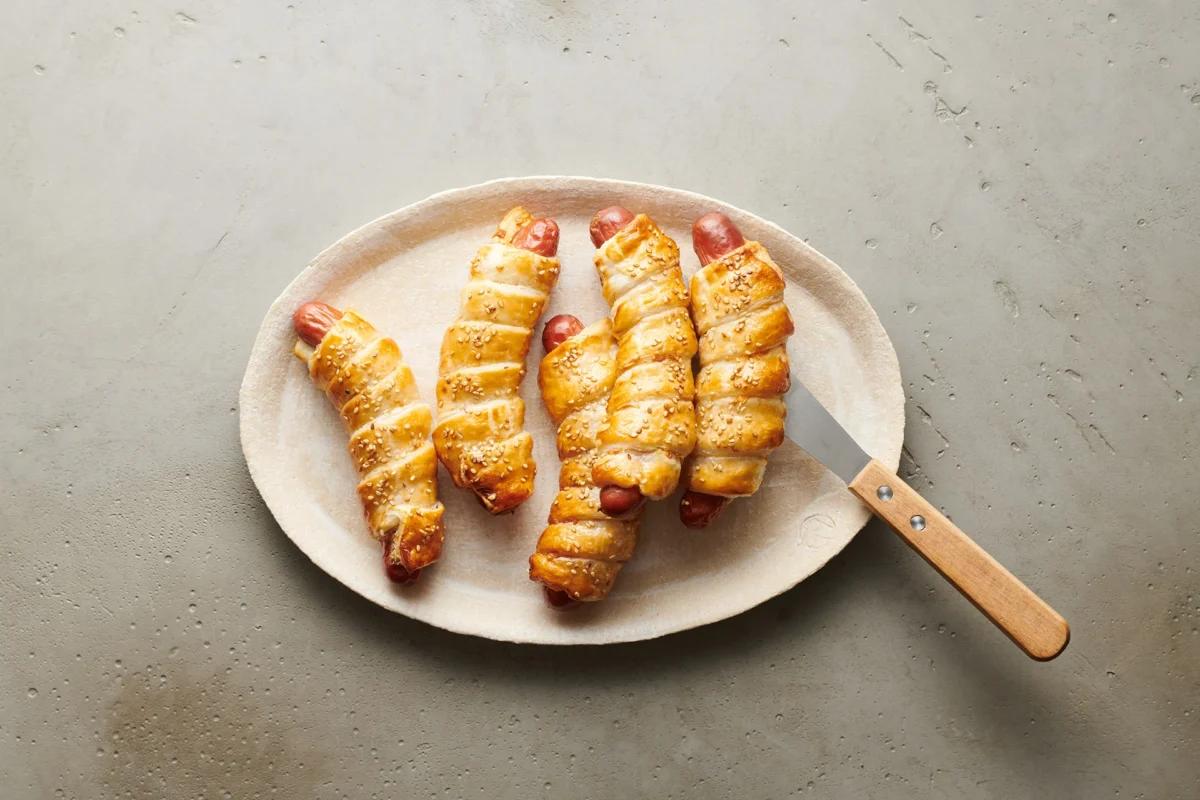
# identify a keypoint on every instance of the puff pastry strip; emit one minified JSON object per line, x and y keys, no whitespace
{"x":480,"y":436}
{"x":651,"y":425}
{"x":364,"y":375}
{"x":582,"y":549}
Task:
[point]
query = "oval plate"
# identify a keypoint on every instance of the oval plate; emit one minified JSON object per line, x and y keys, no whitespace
{"x":404,"y":272}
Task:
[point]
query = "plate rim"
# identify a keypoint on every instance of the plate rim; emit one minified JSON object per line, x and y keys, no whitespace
{"x":893,"y":385}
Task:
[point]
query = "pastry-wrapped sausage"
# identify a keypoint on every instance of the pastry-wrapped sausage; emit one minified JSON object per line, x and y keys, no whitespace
{"x":737,"y":304}
{"x":480,"y":435}
{"x":651,"y":424}
{"x":582,"y":549}
{"x":366,"y":379}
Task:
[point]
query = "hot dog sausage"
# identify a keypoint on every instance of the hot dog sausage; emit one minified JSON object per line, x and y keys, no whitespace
{"x":313,"y":320}
{"x":607,"y":221}
{"x":397,"y":572}
{"x":539,"y":236}
{"x":618,"y":500}
{"x":560,"y":600}
{"x":559,"y":329}
{"x":713,"y":236}
{"x":697,"y":509}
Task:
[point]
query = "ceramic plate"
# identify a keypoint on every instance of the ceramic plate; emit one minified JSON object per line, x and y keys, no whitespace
{"x":404,"y":272}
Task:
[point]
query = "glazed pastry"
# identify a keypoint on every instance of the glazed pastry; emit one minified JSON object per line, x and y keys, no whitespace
{"x":582,"y":549}
{"x":480,"y":435}
{"x":366,"y":379}
{"x":651,"y":424}
{"x":737,"y":304}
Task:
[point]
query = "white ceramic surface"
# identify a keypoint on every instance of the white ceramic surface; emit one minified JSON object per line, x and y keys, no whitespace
{"x":404,"y":271}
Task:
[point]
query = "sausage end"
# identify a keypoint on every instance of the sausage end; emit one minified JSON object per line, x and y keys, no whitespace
{"x":558,"y":599}
{"x":313,"y":320}
{"x":539,"y":236}
{"x":697,"y":509}
{"x":618,"y":500}
{"x":714,"y":235}
{"x":607,"y":221}
{"x":558,"y":329}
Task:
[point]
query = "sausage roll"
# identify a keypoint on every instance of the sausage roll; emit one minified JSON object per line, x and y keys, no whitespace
{"x":480,"y":436}
{"x":651,"y":425}
{"x":364,"y":375}
{"x":582,"y":549}
{"x":738,"y":307}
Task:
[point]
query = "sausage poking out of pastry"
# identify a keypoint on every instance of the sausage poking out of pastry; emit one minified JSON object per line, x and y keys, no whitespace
{"x":557,"y":599}
{"x":697,"y":509}
{"x":651,"y":424}
{"x":558,"y":329}
{"x":480,"y":435}
{"x":737,"y":305}
{"x":607,"y":221}
{"x":396,"y":572}
{"x":364,"y":375}
{"x":313,"y":320}
{"x":539,"y":236}
{"x":714,"y":236}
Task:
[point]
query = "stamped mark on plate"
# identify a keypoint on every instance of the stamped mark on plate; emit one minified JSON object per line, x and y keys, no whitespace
{"x":817,"y":530}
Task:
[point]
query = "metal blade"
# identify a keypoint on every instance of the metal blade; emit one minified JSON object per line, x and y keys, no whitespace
{"x":812,"y":427}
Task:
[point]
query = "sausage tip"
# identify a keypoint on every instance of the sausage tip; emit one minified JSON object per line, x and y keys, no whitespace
{"x":397,"y":573}
{"x":559,"y":599}
{"x":558,"y":329}
{"x":539,"y":236}
{"x":618,"y":500}
{"x":607,"y":221}
{"x":697,"y":509}
{"x":714,"y":235}
{"x":313,"y":320}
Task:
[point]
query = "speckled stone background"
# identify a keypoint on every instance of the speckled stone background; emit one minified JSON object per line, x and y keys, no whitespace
{"x":1015,"y":186}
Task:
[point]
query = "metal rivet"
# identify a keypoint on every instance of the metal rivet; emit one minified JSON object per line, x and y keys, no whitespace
{"x":884,"y":493}
{"x":917,"y":522}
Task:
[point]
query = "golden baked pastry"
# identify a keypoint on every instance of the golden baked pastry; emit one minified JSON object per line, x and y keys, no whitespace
{"x":738,"y":307}
{"x":582,"y":549}
{"x":480,"y":436}
{"x":651,"y":424}
{"x":364,"y":375}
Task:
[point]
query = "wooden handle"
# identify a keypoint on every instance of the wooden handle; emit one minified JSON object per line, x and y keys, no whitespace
{"x":1034,"y":626}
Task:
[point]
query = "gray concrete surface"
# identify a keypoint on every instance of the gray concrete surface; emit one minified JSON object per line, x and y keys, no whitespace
{"x":1014,"y":186}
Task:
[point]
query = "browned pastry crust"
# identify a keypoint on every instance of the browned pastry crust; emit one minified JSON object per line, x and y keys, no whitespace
{"x":480,"y":436}
{"x":582,"y":549}
{"x":366,"y":379}
{"x":737,"y":304}
{"x":651,"y":423}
